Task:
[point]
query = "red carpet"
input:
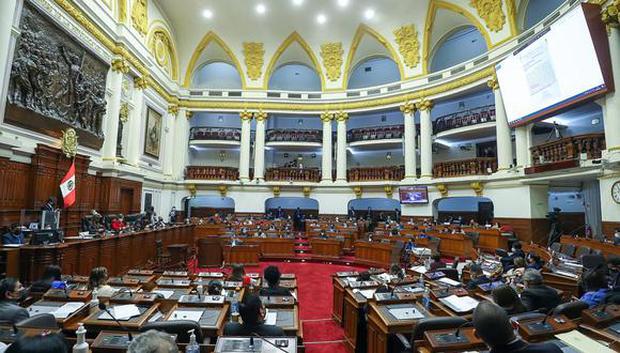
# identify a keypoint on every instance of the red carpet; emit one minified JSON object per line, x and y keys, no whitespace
{"x":314,"y":288}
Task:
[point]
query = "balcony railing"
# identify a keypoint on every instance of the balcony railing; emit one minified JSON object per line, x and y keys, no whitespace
{"x":212,"y":133}
{"x":211,"y":173}
{"x":395,"y":173}
{"x":287,"y":135}
{"x":312,"y":175}
{"x":375,"y":133}
{"x":467,"y":118}
{"x":465,"y":167}
{"x":569,"y":148}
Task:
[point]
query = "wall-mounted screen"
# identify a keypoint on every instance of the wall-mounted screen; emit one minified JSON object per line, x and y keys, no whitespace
{"x":564,"y":65}
{"x":413,"y":194}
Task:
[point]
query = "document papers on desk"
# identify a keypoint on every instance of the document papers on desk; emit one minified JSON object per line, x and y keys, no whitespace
{"x":271,"y":317}
{"x":419,"y":269}
{"x":192,"y":315}
{"x":67,"y":309}
{"x":121,"y":312}
{"x":367,"y":293}
{"x":449,"y":281}
{"x":406,"y":313}
{"x":164,"y":293}
{"x":582,"y":343}
{"x":460,"y":304}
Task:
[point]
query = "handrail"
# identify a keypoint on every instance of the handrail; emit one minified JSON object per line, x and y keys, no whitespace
{"x":569,"y":148}
{"x":395,"y":173}
{"x":465,"y":167}
{"x":375,"y":133}
{"x":469,"y":117}
{"x":211,"y":173}
{"x":312,"y":175}
{"x":215,"y":133}
{"x":294,"y":135}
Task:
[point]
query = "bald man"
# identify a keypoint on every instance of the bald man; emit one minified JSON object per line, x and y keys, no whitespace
{"x":493,"y":327}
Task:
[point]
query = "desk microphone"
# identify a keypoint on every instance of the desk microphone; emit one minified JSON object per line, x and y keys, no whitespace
{"x":264,"y":340}
{"x":123,"y":290}
{"x":104,"y":307}
{"x":544,"y":321}
{"x":401,"y":277}
{"x":457,"y":332}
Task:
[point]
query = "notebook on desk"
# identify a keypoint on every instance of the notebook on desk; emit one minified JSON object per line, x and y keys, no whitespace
{"x":460,"y":304}
{"x":121,"y":312}
{"x":192,"y":315}
{"x":406,"y":313}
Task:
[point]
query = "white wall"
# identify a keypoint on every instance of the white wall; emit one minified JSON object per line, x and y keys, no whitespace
{"x":610,"y":210}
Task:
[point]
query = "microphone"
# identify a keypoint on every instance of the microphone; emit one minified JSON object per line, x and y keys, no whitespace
{"x":123,"y":290}
{"x":544,"y":321}
{"x":104,"y":307}
{"x":266,"y":341}
{"x":401,"y":277}
{"x":457,"y":333}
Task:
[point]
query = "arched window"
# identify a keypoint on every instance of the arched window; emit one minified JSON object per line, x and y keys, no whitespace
{"x":217,"y":75}
{"x":373,"y":72}
{"x":458,"y":46}
{"x":537,"y":10}
{"x":294,"y":77}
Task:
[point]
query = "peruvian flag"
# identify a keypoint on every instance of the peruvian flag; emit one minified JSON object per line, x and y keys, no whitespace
{"x":67,"y":186}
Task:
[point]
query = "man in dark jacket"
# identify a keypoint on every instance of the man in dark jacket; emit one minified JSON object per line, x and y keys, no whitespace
{"x":272,"y":276}
{"x":536,"y":295}
{"x":252,"y":313}
{"x":11,"y":292}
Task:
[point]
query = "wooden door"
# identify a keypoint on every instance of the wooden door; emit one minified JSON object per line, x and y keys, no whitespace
{"x":126,"y":201}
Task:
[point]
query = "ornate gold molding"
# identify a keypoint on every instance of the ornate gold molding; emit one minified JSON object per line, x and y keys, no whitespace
{"x":611,"y":14}
{"x":261,"y":115}
{"x":342,"y":116}
{"x":389,"y":190}
{"x":276,"y":191}
{"x":491,"y":12}
{"x":189,"y":114}
{"x":306,"y":190}
{"x":357,"y":190}
{"x":123,"y":113}
{"x":162,"y":48}
{"x":223,"y":189}
{"x":122,"y":11}
{"x":139,"y":16}
{"x":492,"y":83}
{"x":408,"y":108}
{"x":69,"y":142}
{"x":425,"y":105}
{"x":141,"y":82}
{"x":408,"y":44}
{"x":478,"y":187}
{"x":245,"y":115}
{"x":173,"y":109}
{"x":254,"y":53}
{"x":443,"y":189}
{"x":327,"y":117}
{"x":192,"y":189}
{"x":119,"y":65}
{"x":331,"y":53}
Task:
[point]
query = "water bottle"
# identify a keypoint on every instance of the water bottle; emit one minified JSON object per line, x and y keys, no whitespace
{"x":234,"y":309}
{"x":81,"y":346}
{"x":421,"y":280}
{"x":192,"y":346}
{"x":426,"y":298}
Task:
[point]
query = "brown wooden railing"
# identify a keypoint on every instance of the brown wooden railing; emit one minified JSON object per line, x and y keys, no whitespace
{"x":289,"y":135}
{"x":376,"y":133}
{"x":465,"y":167}
{"x":211,"y":173}
{"x":312,"y":175}
{"x":569,"y":148}
{"x":376,"y":173}
{"x":214,"y":133}
{"x":466,"y":118}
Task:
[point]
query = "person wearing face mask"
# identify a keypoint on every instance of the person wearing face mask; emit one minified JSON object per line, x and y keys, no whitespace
{"x":11,"y":292}
{"x":252,"y":313}
{"x":14,"y":237}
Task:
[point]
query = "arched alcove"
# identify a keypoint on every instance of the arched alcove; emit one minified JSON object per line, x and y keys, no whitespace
{"x":457,"y":46}
{"x":479,"y":209}
{"x":374,"y":71}
{"x":308,"y":207}
{"x":217,"y":75}
{"x":534,"y":11}
{"x":379,"y":207}
{"x":206,"y":206}
{"x":294,"y":77}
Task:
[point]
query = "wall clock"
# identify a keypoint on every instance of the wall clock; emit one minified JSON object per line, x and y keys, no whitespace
{"x":615,"y":192}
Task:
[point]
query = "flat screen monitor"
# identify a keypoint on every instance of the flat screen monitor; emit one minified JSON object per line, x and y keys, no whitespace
{"x":45,"y":237}
{"x":413,"y":195}
{"x":565,"y":65}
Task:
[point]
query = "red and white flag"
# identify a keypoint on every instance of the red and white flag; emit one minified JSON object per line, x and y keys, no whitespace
{"x":67,"y":187}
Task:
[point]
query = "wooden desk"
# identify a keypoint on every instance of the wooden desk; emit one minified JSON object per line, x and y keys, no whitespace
{"x":381,"y":324}
{"x":326,"y":248}
{"x":47,"y":306}
{"x":242,"y":254}
{"x":533,"y":330}
{"x":288,"y":320}
{"x":172,"y":282}
{"x":606,"y":248}
{"x":273,"y":247}
{"x":352,"y":320}
{"x":433,"y":341}
{"x":210,"y":251}
{"x":376,"y":254}
{"x":211,"y":321}
{"x":338,"y":285}
{"x":94,"y":324}
{"x":490,"y":239}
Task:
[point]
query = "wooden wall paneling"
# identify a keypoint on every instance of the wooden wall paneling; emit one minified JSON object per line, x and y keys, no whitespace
{"x":71,"y":260}
{"x":609,"y":228}
{"x":89,"y":257}
{"x":14,"y":190}
{"x":123,"y":254}
{"x":528,"y":230}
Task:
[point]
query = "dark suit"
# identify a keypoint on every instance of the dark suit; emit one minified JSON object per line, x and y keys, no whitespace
{"x":274,"y":292}
{"x":524,"y":347}
{"x":11,"y":312}
{"x":540,"y":297}
{"x":474,"y":283}
{"x":237,"y":329}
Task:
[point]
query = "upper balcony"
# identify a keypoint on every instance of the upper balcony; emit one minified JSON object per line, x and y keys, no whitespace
{"x":566,"y":152}
{"x":203,"y":135}
{"x":293,"y":138}
{"x":462,"y":123}
{"x":376,"y":136}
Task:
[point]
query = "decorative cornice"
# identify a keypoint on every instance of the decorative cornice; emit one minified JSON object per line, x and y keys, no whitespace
{"x":492,"y":83}
{"x":254,"y":53}
{"x":189,"y":114}
{"x":331,"y":53}
{"x":408,"y":44}
{"x":123,"y":113}
{"x":173,"y":109}
{"x":261,"y":116}
{"x":141,"y":82}
{"x":491,"y":12}
{"x":611,"y":14}
{"x":223,"y":189}
{"x":119,"y":65}
{"x":306,"y":190}
{"x":408,"y":108}
{"x":478,"y":187}
{"x":389,"y":190}
{"x":357,"y":190}
{"x":276,"y":191}
{"x":139,"y":16}
{"x":443,"y":189}
{"x":245,"y":115}
{"x":342,"y":116}
{"x":425,"y":105}
{"x":326,"y":117}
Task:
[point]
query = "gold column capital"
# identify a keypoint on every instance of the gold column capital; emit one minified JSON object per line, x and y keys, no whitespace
{"x":173,"y":109}
{"x":306,"y":190}
{"x":245,"y":115}
{"x":119,"y":65}
{"x":276,"y":191}
{"x":189,"y":114}
{"x":326,"y":117}
{"x":611,"y":14}
{"x":492,"y":83}
{"x":357,"y":190}
{"x":261,"y":116}
{"x":141,"y":82}
{"x":408,"y":108}
{"x":425,"y":105}
{"x":223,"y":189}
{"x":342,"y":116}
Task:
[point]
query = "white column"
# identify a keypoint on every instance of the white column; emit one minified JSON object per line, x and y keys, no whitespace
{"x":181,"y":143}
{"x":259,"y":146}
{"x":169,"y":125}
{"x":426,"y":138}
{"x":134,"y":126}
{"x":611,"y":109}
{"x":341,"y":151}
{"x":10,"y":13}
{"x":411,"y":167}
{"x":244,"y":153}
{"x":113,"y":106}
{"x":523,"y":142}
{"x":503,"y":137}
{"x":326,"y":157}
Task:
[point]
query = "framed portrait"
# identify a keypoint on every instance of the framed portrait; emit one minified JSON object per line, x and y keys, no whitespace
{"x":152,"y":138}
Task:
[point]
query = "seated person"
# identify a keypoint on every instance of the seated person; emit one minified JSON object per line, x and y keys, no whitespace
{"x":492,"y":325}
{"x":118,"y":223}
{"x":507,"y":298}
{"x":536,"y":295}
{"x":153,"y":341}
{"x":516,"y":251}
{"x":437,"y":262}
{"x":323,"y":235}
{"x":596,"y":286}
{"x":14,"y":236}
{"x":477,"y":277}
{"x":364,"y":277}
{"x":396,"y":270}
{"x":51,"y":275}
{"x":42,"y":343}
{"x":252,"y":313}
{"x":98,"y":281}
{"x":410,"y":245}
{"x":613,"y":266}
{"x":238,"y":274}
{"x":12,"y":292}
{"x":534,"y":261}
{"x":214,"y":287}
{"x":272,"y":276}
{"x":517,"y":269}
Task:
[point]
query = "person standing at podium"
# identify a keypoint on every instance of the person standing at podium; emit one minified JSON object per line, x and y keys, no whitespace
{"x":252,"y":313}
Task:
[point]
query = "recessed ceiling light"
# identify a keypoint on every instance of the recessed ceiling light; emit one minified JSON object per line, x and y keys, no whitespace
{"x":298,"y":2}
{"x":343,"y":3}
{"x":261,"y":9}
{"x":207,"y":13}
{"x":321,"y":18}
{"x":369,"y":13}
